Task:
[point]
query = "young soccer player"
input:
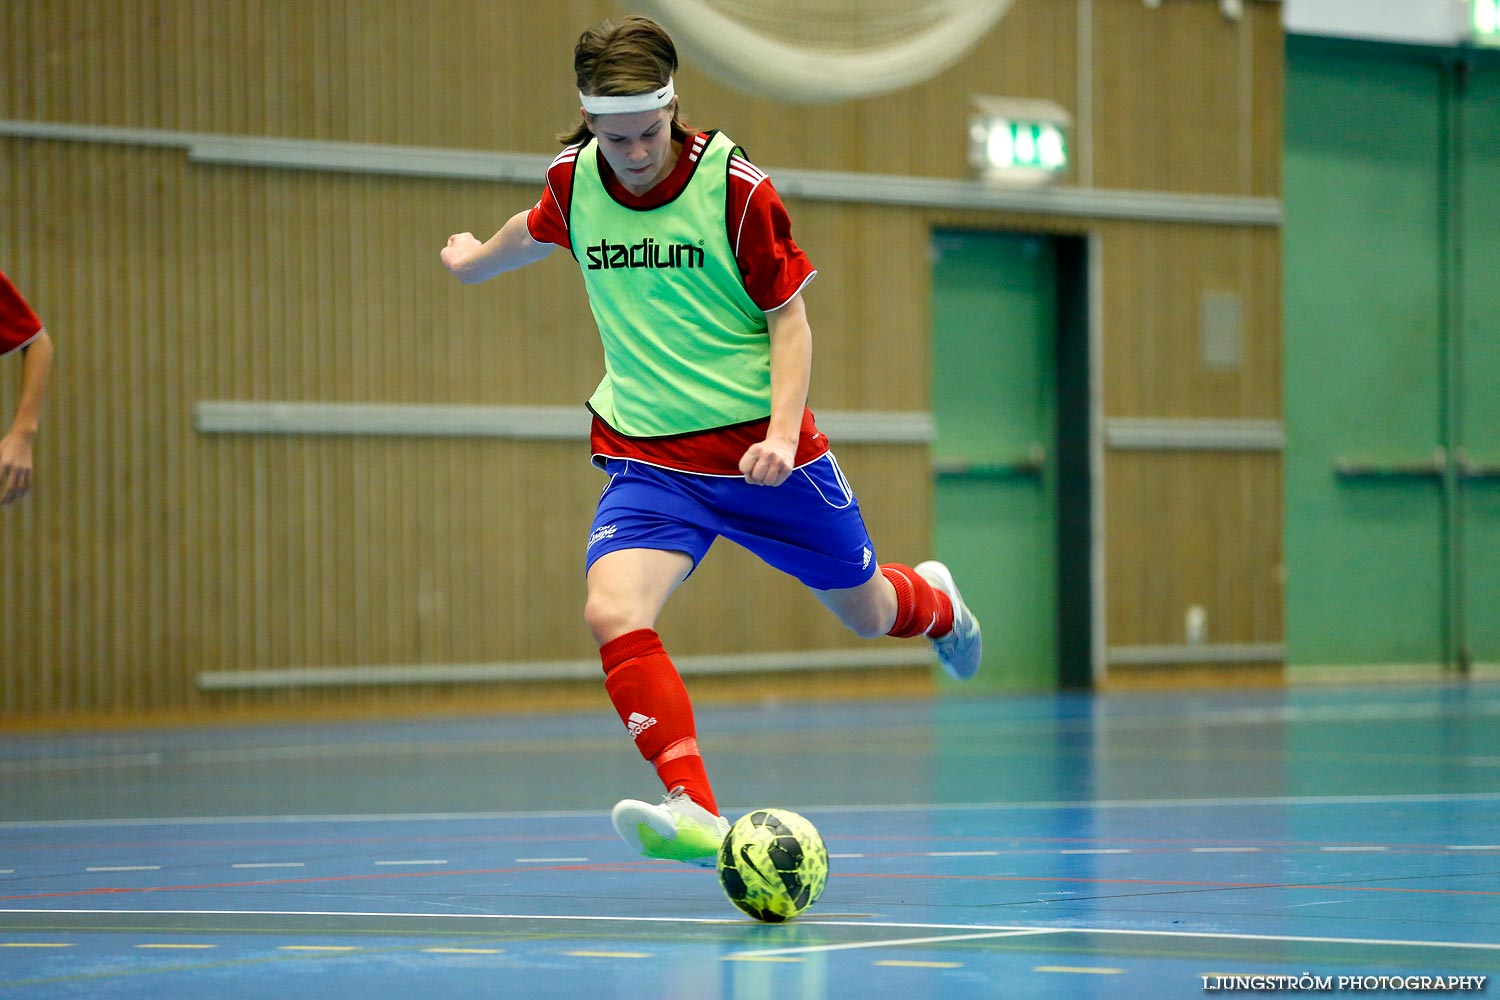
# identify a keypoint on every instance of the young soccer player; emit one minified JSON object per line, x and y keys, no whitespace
{"x":701,"y":419}
{"x":20,"y":330}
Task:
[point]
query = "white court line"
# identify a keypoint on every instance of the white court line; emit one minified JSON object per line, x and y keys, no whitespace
{"x":805,"y":921}
{"x":272,"y":864}
{"x":897,"y":807}
{"x":956,"y":854}
{"x":1096,"y":850}
{"x":434,"y":861}
{"x":1224,"y":850}
{"x":125,"y":868}
{"x":42,"y":765}
{"x":820,"y":948}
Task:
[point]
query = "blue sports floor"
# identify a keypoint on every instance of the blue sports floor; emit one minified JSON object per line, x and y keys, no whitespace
{"x":1115,"y":846}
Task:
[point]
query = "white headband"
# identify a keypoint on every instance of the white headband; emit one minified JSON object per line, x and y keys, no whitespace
{"x":649,"y":101}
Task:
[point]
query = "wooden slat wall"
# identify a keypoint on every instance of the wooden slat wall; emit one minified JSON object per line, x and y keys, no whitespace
{"x":148,"y":552}
{"x":1198,"y":530}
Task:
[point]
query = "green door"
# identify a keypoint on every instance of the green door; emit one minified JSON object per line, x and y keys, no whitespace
{"x":1479,"y":364}
{"x":994,"y":399}
{"x":1393,"y":425}
{"x":1363,"y":361}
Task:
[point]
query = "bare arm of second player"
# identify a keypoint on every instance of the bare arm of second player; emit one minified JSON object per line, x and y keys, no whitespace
{"x":15,"y":445}
{"x":472,"y":261}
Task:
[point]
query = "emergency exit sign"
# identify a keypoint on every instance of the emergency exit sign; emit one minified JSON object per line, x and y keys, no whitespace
{"x":1016,"y":140}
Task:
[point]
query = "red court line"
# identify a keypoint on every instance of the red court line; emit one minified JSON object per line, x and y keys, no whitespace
{"x":1163,"y":844}
{"x":129,"y":890}
{"x":1330,"y":886}
{"x":250,"y":842}
{"x":624,"y":867}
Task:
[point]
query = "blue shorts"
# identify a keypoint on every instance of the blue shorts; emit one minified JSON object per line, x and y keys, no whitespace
{"x":809,"y":526}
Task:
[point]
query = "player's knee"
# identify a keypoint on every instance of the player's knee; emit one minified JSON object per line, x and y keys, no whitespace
{"x":867,"y":623}
{"x":607,"y":619}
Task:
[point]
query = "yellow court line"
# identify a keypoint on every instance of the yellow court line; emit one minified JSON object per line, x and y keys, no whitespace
{"x":178,"y":947}
{"x":1080,"y":970}
{"x":920,"y":965}
{"x":35,"y":944}
{"x":609,"y":954}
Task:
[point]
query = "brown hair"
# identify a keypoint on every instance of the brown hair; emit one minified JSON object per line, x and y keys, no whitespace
{"x":619,"y":58}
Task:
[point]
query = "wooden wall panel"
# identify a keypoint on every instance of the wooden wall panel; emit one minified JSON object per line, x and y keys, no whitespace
{"x":870,"y":347}
{"x":1184,"y":99}
{"x":1263,"y":94}
{"x":468,"y":75}
{"x":1193,"y":528}
{"x":1154,"y":281}
{"x":149,"y":552}
{"x":1181,"y":97}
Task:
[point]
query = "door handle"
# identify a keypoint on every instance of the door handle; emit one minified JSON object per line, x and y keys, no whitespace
{"x":1472,"y":471}
{"x":1433,"y":468}
{"x":1030,"y":465}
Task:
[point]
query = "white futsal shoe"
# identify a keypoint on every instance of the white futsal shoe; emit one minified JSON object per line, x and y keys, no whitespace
{"x":677,"y":830}
{"x":958,"y":651}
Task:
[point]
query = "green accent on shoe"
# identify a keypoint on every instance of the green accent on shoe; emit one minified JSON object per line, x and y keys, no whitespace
{"x":692,"y":844}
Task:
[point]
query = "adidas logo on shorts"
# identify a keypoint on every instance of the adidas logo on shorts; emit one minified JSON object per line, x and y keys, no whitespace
{"x":638,"y":724}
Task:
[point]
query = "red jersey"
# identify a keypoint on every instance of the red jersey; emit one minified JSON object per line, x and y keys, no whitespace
{"x":18,"y":324}
{"x":772,"y":265}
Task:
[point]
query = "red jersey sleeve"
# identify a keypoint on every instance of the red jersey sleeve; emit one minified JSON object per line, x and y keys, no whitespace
{"x":774,"y":267}
{"x":18,"y":324}
{"x":548,"y":220}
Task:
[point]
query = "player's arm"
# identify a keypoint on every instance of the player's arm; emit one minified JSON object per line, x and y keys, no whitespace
{"x":15,"y":446}
{"x":472,"y":261}
{"x":770,"y":462}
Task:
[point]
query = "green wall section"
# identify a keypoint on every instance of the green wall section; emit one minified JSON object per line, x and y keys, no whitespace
{"x":1380,"y":287}
{"x":1479,"y":430}
{"x":1363,"y":315}
{"x":994,"y":397}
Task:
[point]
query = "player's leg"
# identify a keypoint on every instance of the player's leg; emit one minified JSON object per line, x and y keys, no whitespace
{"x":627,"y":589}
{"x":810,"y":527}
{"x":869,"y":610}
{"x":640,"y":552}
{"x":908,"y":602}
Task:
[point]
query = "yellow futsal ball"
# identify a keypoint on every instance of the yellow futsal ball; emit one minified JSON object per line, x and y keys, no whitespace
{"x":773,"y":864}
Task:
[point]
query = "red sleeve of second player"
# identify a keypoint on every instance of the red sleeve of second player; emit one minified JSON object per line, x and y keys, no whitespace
{"x":773,"y":265}
{"x":18,"y":324}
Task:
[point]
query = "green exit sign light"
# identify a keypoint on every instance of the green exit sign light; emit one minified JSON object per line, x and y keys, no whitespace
{"x":1025,"y":144}
{"x":1486,"y":21}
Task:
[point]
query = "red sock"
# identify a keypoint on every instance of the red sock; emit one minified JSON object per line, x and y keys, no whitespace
{"x":921,"y":609}
{"x":653,"y":703}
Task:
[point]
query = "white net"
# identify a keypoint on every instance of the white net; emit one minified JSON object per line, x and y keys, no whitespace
{"x":813,"y":51}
